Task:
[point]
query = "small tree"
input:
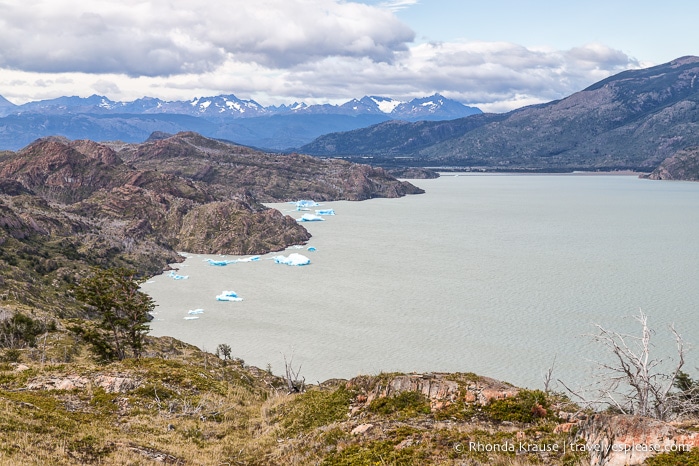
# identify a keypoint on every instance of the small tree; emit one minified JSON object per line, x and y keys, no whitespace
{"x":122,"y":310}
{"x":223,"y":350}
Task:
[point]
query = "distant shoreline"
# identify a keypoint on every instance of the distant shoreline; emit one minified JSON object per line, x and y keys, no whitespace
{"x":458,"y":172}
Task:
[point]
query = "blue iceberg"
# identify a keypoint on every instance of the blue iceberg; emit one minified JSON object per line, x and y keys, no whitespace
{"x":292,"y":259}
{"x":310,"y":218}
{"x":174,"y":276}
{"x":311,"y":249}
{"x":222,"y":263}
{"x":325,"y":212}
{"x":195,"y":311}
{"x":228,"y":296}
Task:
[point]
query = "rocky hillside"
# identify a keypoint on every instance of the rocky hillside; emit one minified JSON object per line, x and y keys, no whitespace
{"x":179,"y":405}
{"x":684,"y":165}
{"x":633,"y":120}
{"x":69,"y":205}
{"x":226,"y":167}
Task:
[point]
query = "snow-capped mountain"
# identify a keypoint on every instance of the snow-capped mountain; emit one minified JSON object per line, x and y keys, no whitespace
{"x":223,"y":116}
{"x":229,"y":106}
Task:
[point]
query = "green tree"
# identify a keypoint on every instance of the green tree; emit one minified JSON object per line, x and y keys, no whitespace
{"x":122,"y":311}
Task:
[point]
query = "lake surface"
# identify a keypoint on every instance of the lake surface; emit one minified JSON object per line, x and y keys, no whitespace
{"x":492,"y":274}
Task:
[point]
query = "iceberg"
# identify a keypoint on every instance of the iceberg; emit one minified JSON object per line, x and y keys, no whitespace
{"x":229,"y":296}
{"x":174,"y":276}
{"x":292,"y":259}
{"x":325,"y":212}
{"x":195,"y":311}
{"x":222,"y":263}
{"x":304,"y":204}
{"x":310,"y":218}
{"x":311,"y":249}
{"x":191,"y":317}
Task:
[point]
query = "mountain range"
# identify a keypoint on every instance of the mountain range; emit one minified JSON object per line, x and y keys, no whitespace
{"x":225,"y":117}
{"x":633,"y":120}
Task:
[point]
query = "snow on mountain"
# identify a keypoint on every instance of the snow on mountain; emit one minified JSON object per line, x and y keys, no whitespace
{"x":229,"y":106}
{"x":385,"y":104}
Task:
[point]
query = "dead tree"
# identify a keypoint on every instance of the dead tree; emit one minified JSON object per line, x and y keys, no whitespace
{"x":294,"y":383}
{"x":634,"y":381}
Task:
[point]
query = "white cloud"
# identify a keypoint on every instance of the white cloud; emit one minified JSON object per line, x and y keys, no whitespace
{"x":275,"y":51}
{"x":167,"y":37}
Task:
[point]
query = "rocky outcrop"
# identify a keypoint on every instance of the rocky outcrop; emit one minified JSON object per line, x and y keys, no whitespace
{"x":439,"y":388}
{"x":233,"y":227}
{"x":684,"y":165}
{"x":624,"y":440}
{"x":109,"y":383}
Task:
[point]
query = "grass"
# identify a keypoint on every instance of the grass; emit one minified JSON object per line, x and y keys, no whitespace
{"x":185,"y":406}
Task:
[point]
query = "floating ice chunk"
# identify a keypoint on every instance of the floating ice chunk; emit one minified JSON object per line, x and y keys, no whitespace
{"x":249,"y":259}
{"x":222,"y":263}
{"x":191,"y":317}
{"x":325,"y":211}
{"x":293,"y":259}
{"x":312,"y":249}
{"x":195,"y":311}
{"x":310,"y":218}
{"x":228,"y":296}
{"x":173,"y":275}
{"x":304,"y":203}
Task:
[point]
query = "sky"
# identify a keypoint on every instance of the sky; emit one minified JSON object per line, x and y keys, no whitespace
{"x":496,"y":55}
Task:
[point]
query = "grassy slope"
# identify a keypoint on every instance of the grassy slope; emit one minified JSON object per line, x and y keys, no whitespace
{"x":184,"y":406}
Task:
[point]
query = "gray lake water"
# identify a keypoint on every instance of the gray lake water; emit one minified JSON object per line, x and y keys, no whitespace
{"x":492,"y":274}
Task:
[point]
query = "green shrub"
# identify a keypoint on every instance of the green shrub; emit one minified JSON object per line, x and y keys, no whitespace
{"x":20,"y":330}
{"x":11,"y":355}
{"x":316,"y":408}
{"x":675,"y":458}
{"x":405,"y":404}
{"x":525,"y":407}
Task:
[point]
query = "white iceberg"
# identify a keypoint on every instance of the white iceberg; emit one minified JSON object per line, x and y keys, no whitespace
{"x":325,"y":212}
{"x":292,"y":259}
{"x":310,"y":218}
{"x":229,"y":296}
{"x":174,"y":276}
{"x":249,"y":259}
{"x":191,"y":317}
{"x":195,"y":311}
{"x":304,"y":204}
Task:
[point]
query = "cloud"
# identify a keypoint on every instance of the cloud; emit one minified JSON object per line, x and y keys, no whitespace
{"x":273,"y":51}
{"x":169,"y":37}
{"x":396,"y":5}
{"x":495,"y":76}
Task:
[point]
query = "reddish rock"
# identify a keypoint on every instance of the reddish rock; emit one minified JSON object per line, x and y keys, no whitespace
{"x":621,"y":440}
